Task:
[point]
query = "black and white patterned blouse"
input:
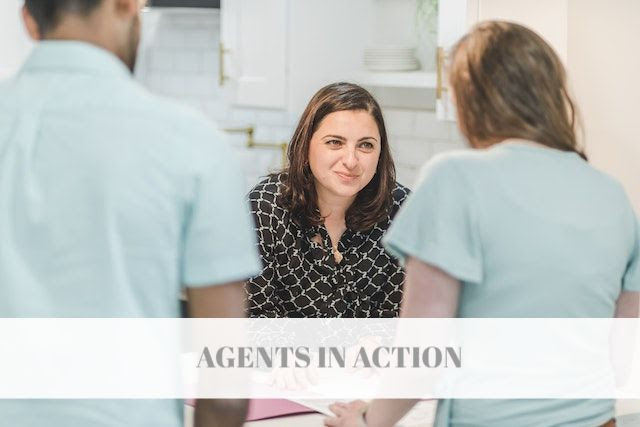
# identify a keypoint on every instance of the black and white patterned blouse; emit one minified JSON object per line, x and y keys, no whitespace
{"x":301,"y":278}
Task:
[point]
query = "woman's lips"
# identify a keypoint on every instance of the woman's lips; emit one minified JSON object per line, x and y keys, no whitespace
{"x":347,"y":177}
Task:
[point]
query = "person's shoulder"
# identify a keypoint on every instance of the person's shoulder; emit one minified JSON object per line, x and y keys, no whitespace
{"x":399,"y":193}
{"x":171,"y":114}
{"x":155,"y":118}
{"x":267,"y":190}
{"x":606,"y":189}
{"x":185,"y":132}
{"x":266,"y":205}
{"x":4,"y":85}
{"x":446,"y":166}
{"x":457,"y":158}
{"x":9,"y":93}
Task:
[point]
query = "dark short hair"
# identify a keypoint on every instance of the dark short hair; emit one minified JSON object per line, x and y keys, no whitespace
{"x":374,"y":201}
{"x":509,"y":83}
{"x":47,"y":13}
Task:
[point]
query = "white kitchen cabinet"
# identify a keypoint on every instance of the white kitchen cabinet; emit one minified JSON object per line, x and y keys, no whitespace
{"x":253,"y":49}
{"x":455,"y":17}
{"x":277,"y":53}
{"x":15,"y":44}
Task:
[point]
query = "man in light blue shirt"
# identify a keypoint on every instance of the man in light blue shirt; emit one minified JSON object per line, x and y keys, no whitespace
{"x":111,"y":200}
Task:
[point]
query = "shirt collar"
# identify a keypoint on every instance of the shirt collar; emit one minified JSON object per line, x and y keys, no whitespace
{"x":74,"y":56}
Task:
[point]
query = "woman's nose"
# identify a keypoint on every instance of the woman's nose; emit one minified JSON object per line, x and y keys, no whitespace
{"x":350,"y":159}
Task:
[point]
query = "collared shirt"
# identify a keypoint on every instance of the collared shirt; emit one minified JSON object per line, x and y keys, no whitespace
{"x":111,"y":198}
{"x":300,"y":276}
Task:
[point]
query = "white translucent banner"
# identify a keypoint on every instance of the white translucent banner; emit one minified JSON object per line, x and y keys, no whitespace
{"x":320,"y":358}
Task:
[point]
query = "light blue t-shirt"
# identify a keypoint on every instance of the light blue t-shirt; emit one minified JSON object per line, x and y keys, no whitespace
{"x":111,"y":199}
{"x":530,"y":232}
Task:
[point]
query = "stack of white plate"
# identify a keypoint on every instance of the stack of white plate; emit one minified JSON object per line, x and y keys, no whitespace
{"x":391,"y":58}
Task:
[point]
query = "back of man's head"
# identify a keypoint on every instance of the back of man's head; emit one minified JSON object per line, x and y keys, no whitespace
{"x":48,"y":13}
{"x":113,"y":25}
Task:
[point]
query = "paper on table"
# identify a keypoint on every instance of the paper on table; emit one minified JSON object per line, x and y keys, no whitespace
{"x":262,"y":409}
{"x":421,"y":415}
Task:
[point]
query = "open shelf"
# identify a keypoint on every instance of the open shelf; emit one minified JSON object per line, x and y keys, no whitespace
{"x":400,"y":79}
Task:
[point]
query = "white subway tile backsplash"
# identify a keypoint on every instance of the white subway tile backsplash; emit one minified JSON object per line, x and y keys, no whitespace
{"x":168,"y":37}
{"x":188,"y":61}
{"x":200,"y":37}
{"x":216,"y":109}
{"x":457,"y":137}
{"x":160,"y":59}
{"x":445,"y":146}
{"x":283,"y":133}
{"x":167,"y":83}
{"x":237,"y":140}
{"x":292,"y":119}
{"x":399,"y":122}
{"x":271,"y":117}
{"x":410,"y":151}
{"x":257,"y":163}
{"x":244,"y":117}
{"x":407,"y":175}
{"x":204,"y":86}
{"x":428,"y":127}
{"x":209,"y":60}
{"x":184,"y":19}
{"x":264,"y":134}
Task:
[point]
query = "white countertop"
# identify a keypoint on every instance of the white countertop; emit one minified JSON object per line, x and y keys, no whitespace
{"x":628,"y":410}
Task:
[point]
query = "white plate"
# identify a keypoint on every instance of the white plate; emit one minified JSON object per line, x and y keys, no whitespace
{"x":391,"y":67}
{"x":390,"y":63}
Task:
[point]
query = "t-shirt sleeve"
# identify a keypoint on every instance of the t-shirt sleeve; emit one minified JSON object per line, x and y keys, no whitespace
{"x":438,"y":223}
{"x":219,"y":240}
{"x":631,"y":279}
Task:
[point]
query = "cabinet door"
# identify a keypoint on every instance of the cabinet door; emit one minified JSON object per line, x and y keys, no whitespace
{"x":327,"y":44}
{"x":15,"y":44}
{"x":254,"y":35}
{"x":454,"y":19}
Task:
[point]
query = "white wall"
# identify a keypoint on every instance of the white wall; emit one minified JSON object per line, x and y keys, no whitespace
{"x":604,"y":68}
{"x":547,"y":17}
{"x":15,"y":45}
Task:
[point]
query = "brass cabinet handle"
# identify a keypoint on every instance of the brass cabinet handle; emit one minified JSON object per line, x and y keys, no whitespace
{"x":222,"y":51}
{"x":249,"y":130}
{"x":440,"y":60}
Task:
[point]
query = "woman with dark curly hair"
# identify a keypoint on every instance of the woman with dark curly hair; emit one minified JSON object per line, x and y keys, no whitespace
{"x":320,"y":221}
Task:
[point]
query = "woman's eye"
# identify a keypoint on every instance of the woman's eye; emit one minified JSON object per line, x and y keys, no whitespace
{"x":366,"y":145}
{"x":334,"y":142}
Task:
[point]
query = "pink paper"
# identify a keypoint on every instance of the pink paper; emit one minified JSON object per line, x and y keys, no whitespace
{"x":261,"y":409}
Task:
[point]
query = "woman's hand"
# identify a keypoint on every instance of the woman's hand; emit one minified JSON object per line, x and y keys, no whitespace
{"x":347,"y":414}
{"x":368,"y":343}
{"x":293,"y":378}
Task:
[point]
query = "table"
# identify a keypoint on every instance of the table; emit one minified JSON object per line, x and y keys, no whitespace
{"x":627,"y":411}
